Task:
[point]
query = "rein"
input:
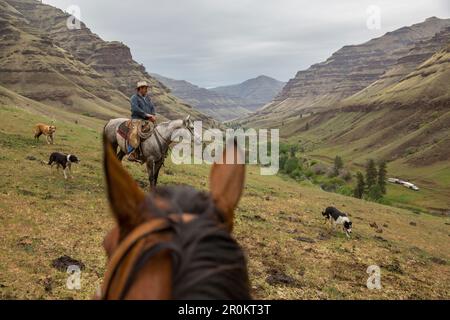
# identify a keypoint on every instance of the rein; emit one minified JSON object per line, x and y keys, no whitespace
{"x":134,"y":241}
{"x":158,"y":134}
{"x":138,"y":247}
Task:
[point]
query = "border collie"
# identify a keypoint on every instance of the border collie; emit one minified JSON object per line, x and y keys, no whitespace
{"x":63,"y":160}
{"x":337,"y":217}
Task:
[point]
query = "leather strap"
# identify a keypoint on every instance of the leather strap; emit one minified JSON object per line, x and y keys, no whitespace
{"x":132,"y":244}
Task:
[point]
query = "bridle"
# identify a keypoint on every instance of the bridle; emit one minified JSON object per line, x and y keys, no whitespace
{"x":141,"y":244}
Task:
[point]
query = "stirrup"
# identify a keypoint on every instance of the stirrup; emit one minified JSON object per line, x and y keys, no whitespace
{"x":132,"y":158}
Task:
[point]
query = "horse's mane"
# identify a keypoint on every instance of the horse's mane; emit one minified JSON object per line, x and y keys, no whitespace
{"x":208,"y":263}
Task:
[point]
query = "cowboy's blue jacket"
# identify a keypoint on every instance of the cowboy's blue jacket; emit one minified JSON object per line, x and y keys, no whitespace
{"x":141,"y":106}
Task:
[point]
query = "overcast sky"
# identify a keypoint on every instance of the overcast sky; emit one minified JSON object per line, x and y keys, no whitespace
{"x":220,"y":42}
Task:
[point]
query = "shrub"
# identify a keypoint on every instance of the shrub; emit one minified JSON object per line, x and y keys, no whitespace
{"x":319,"y":168}
{"x":345,"y":190}
{"x":297,"y":174}
{"x":345,"y":175}
{"x":309,"y":173}
{"x":283,"y":160}
{"x":290,"y":165}
{"x":332,"y":185}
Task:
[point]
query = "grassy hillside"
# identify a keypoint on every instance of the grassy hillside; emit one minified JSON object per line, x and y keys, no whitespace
{"x":402,"y":115}
{"x":291,"y":254}
{"x":414,"y":141}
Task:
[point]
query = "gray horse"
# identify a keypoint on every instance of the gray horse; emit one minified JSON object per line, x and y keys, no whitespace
{"x":155,"y":148}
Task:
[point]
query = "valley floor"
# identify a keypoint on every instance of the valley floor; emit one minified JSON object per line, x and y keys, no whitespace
{"x":291,"y":253}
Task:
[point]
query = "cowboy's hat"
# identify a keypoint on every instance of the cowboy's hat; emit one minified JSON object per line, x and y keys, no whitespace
{"x":141,"y":84}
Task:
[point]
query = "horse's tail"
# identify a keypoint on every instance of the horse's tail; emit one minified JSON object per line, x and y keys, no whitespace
{"x":104,"y":128}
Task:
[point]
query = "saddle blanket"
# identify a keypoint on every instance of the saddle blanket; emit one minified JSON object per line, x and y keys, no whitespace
{"x":124,"y":129}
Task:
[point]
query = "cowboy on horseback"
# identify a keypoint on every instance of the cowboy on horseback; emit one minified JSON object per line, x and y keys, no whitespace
{"x":142,"y":115}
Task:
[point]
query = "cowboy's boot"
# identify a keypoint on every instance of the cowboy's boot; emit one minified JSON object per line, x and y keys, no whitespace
{"x":135,"y":156}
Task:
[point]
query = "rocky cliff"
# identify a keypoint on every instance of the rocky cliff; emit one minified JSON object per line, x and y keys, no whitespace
{"x":108,"y":69}
{"x":348,"y":71}
{"x":420,"y":75}
{"x":34,"y":67}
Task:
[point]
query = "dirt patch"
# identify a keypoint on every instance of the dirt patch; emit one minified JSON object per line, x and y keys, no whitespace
{"x":255,"y":217}
{"x":291,"y":219}
{"x":379,"y":238}
{"x":277,"y":277}
{"x":324,"y":236}
{"x":373,"y":225}
{"x":304,"y":239}
{"x":62,"y":263}
{"x":47,"y":283}
{"x":438,"y":260}
{"x":394,"y":267}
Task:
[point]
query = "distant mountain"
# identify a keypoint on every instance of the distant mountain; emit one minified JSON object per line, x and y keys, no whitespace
{"x":225,"y":103}
{"x":258,"y":91}
{"x":349,"y":70}
{"x":41,"y":59}
{"x":218,"y":106}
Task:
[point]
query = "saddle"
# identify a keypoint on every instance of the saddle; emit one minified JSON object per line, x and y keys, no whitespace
{"x":135,"y":131}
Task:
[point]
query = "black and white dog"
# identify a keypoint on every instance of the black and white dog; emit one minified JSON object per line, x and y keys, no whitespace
{"x":63,"y":160}
{"x":337,"y":217}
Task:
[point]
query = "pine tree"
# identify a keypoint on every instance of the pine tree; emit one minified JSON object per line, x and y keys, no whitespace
{"x":374,"y":193}
{"x":358,"y":192}
{"x":382,"y":172}
{"x":371,"y":174}
{"x":338,"y":165}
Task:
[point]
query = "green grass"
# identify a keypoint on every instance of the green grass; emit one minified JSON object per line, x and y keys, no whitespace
{"x":43,"y":217}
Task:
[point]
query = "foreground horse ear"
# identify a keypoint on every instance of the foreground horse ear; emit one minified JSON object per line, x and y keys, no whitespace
{"x":227,"y":183}
{"x":125,"y":196}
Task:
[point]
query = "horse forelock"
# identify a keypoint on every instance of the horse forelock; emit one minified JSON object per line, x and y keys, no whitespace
{"x":207,"y":261}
